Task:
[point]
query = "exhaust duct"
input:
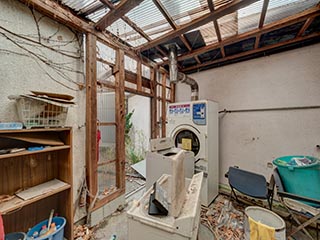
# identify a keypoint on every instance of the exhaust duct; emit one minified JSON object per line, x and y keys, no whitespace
{"x":176,"y":76}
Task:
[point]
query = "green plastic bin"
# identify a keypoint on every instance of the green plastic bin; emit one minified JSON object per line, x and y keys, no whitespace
{"x":300,"y":180}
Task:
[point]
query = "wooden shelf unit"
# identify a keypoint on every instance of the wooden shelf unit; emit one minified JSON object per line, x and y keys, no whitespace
{"x":26,"y":169}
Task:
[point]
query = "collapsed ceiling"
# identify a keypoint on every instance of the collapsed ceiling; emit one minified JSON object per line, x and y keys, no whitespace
{"x":208,"y":33}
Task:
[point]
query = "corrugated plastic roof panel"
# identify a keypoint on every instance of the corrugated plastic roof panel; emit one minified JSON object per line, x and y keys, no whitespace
{"x":228,"y":25}
{"x":279,"y":9}
{"x":78,"y":5}
{"x":249,"y":17}
{"x":121,"y":29}
{"x":96,"y":16}
{"x":184,"y":11}
{"x":148,"y":17}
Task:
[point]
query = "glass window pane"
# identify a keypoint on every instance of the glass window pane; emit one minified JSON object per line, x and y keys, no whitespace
{"x":106,"y":105}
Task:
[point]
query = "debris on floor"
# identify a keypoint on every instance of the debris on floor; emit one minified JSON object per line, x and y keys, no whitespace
{"x":224,"y":218}
{"x":82,"y":232}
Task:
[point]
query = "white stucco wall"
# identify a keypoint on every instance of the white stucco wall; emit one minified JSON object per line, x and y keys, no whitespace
{"x":21,"y":70}
{"x":251,"y":140}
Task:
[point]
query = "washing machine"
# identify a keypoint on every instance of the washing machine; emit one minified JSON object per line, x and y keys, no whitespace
{"x":193,"y":126}
{"x":159,"y":160}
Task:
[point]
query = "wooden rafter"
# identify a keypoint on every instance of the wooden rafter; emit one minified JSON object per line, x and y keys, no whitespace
{"x":135,"y":27}
{"x":116,"y":13}
{"x":167,"y":16}
{"x":227,"y":9}
{"x":263,"y":13}
{"x":216,"y":26}
{"x":305,"y":26}
{"x":313,"y":12}
{"x":253,"y":51}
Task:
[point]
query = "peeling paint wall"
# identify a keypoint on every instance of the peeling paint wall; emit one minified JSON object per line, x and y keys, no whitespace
{"x":37,"y":53}
{"x":251,"y":140}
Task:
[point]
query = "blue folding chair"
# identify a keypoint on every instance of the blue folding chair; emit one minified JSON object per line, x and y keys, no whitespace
{"x":250,"y":184}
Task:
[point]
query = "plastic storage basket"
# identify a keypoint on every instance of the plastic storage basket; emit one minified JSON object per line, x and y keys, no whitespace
{"x":301,"y":180}
{"x":41,"y":113}
{"x":57,"y":235}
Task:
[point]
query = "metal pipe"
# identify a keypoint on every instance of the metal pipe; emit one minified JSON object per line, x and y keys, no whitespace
{"x":176,"y":76}
{"x":269,"y":109}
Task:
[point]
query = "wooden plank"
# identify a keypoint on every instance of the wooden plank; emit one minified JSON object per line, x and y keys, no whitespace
{"x":263,"y":13}
{"x":113,"y":15}
{"x":37,"y":138}
{"x":227,"y":9}
{"x":26,"y":152}
{"x":313,"y":12}
{"x":120,"y":119}
{"x":108,"y":199}
{"x":41,"y":189}
{"x":297,"y":39}
{"x":139,"y":76}
{"x":305,"y":26}
{"x":91,"y":115}
{"x":163,"y":106}
{"x":173,"y":92}
{"x":257,"y":41}
{"x":17,"y":203}
{"x":36,"y":130}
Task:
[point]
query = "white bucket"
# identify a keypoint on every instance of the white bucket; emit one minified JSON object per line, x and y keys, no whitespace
{"x":266,"y":217}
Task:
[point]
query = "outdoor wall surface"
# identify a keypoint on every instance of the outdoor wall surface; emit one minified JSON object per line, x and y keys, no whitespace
{"x":251,"y":140}
{"x":37,"y":53}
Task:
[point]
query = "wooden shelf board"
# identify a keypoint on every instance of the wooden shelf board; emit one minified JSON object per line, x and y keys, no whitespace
{"x":26,"y":152}
{"x":35,"y":130}
{"x":17,"y":203}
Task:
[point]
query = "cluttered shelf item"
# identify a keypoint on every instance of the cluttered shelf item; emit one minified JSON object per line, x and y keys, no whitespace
{"x":35,"y":177}
{"x":31,"y":195}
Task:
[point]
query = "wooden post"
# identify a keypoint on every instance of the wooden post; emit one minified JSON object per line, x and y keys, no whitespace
{"x":120,"y":120}
{"x":139,"y":76}
{"x":91,"y":114}
{"x":154,"y":125}
{"x":163,"y":105}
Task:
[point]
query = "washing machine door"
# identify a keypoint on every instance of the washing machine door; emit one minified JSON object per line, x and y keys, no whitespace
{"x":188,"y":138}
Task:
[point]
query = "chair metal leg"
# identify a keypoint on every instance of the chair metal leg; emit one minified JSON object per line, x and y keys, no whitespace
{"x":300,"y":226}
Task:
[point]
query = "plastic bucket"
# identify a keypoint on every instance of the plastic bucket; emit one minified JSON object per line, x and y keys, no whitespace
{"x":15,"y":236}
{"x":265,"y":217}
{"x":300,"y":180}
{"x":57,"y":235}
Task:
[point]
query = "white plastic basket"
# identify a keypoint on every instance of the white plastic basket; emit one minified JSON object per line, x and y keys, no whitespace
{"x":40,"y":113}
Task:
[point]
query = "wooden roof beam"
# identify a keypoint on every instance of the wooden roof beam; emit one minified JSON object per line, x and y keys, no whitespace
{"x":253,"y":51}
{"x":120,"y":10}
{"x":227,"y":9}
{"x":135,"y":27}
{"x":305,"y":26}
{"x":263,"y":13}
{"x":216,"y":27}
{"x":313,"y":12}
